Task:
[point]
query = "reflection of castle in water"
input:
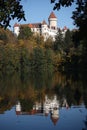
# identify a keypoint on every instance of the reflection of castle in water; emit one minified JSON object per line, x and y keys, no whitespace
{"x":48,"y":107}
{"x":51,"y":106}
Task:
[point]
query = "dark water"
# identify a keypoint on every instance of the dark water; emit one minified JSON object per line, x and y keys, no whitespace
{"x":39,"y":102}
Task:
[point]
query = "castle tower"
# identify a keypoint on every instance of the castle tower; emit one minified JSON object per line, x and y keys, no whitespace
{"x":44,"y":30}
{"x":44,"y":26}
{"x":55,"y":115}
{"x":16,"y":29}
{"x":52,"y":21}
{"x":18,"y":108}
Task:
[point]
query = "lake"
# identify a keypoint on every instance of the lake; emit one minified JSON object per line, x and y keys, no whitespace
{"x":55,"y":102}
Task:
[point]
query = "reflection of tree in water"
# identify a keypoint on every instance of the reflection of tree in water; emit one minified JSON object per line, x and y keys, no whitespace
{"x":5,"y":104}
{"x":77,"y":95}
{"x":71,"y":91}
{"x":77,"y":83}
{"x":36,"y":87}
{"x":26,"y":104}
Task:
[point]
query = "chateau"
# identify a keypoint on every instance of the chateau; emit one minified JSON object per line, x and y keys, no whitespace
{"x":44,"y":29}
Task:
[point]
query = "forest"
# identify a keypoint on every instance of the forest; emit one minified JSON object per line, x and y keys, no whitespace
{"x":29,"y":53}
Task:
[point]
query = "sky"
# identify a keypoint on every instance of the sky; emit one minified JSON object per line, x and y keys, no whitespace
{"x":39,"y":10}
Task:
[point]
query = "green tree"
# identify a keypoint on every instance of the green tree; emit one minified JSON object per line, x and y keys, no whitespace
{"x":9,"y":59}
{"x":24,"y":60}
{"x":25,"y":33}
{"x":38,"y":62}
{"x":3,"y":35}
{"x":39,"y":39}
{"x":79,"y":15}
{"x":68,"y":41}
{"x":49,"y":60}
{"x":80,"y":18}
{"x":59,"y":41}
{"x":49,"y":43}
{"x":10,"y":9}
{"x":76,"y":39}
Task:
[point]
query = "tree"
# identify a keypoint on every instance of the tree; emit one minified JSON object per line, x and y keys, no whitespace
{"x":10,"y":9}
{"x":79,"y":15}
{"x":80,"y":18}
{"x":49,"y":43}
{"x":6,"y":36}
{"x":59,"y":41}
{"x":38,"y":60}
{"x":25,"y":32}
{"x":68,"y":41}
{"x":39,"y":39}
{"x":3,"y":35}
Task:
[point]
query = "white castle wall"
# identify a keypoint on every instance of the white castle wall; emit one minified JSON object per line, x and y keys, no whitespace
{"x":53,"y":22}
{"x":16,"y":30}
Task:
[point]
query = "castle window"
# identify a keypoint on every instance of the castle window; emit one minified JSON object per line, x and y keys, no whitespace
{"x":53,"y":27}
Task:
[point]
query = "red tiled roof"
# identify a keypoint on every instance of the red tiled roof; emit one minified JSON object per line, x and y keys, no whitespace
{"x":52,"y":15}
{"x":30,"y":25}
{"x":34,"y":25}
{"x":65,"y":28}
{"x":44,"y":22}
{"x":54,"y":120}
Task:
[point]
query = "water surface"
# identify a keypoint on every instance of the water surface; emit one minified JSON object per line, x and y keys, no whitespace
{"x":55,"y":103}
